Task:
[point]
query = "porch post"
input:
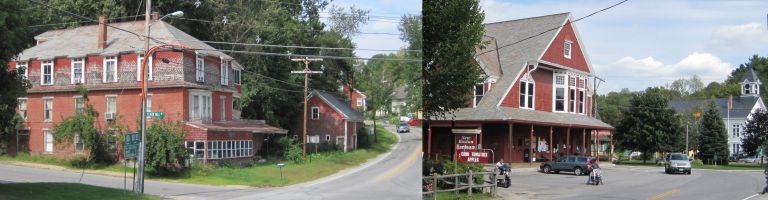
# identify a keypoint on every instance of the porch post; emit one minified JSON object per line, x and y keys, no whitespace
{"x":511,"y":144}
{"x":429,"y":141}
{"x":550,"y":143}
{"x":530,"y":153}
{"x":610,"y":136}
{"x":480,"y":140}
{"x":568,"y":142}
{"x":584,"y":142}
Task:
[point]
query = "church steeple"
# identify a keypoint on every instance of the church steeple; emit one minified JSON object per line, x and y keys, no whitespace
{"x":750,"y":84}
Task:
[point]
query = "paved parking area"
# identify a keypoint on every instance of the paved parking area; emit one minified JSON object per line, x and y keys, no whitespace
{"x":625,"y":182}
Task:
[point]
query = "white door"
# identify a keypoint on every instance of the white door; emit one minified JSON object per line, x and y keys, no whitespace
{"x":48,"y":142}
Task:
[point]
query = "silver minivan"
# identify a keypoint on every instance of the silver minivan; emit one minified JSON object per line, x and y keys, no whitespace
{"x":677,"y":163}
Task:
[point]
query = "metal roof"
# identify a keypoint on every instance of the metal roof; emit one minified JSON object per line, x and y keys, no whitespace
{"x":742,"y":105}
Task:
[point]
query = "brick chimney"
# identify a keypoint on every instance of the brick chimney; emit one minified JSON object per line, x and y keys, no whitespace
{"x":155,"y":16}
{"x":102,"y":32}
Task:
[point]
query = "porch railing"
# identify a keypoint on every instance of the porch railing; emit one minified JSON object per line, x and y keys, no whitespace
{"x":432,"y":182}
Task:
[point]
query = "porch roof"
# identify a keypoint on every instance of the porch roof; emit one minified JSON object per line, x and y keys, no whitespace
{"x":526,"y":116}
{"x":254,"y":126}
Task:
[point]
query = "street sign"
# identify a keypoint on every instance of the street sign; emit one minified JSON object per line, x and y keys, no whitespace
{"x":156,"y":114}
{"x":131,"y":145}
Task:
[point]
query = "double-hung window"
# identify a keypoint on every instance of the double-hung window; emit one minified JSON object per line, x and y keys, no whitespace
{"x":47,"y":73}
{"x":199,"y":67}
{"x":236,"y":76}
{"x":200,"y":105}
{"x":148,"y":108}
{"x":111,"y":103}
{"x":47,"y":109}
{"x":479,"y":93}
{"x":559,"y":93}
{"x":567,"y":49}
{"x":582,"y":84}
{"x":78,"y":67}
{"x":527,"y":88}
{"x":139,"y":61}
{"x":23,"y":108}
{"x":315,"y":112}
{"x":110,"y":69}
{"x":572,"y":95}
{"x":223,"y":106}
{"x":79,"y":105}
{"x":224,"y":72}
{"x":23,"y":65}
{"x":48,"y":140}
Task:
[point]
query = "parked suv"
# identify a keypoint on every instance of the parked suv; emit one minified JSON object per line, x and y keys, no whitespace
{"x":575,"y":164}
{"x":677,"y":162}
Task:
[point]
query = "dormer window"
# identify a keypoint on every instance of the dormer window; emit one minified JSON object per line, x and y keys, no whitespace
{"x":567,"y":49}
{"x":527,"y":87}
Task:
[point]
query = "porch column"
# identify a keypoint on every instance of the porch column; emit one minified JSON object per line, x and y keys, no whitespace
{"x":480,"y":140}
{"x":568,"y":142}
{"x":583,"y":142}
{"x":429,"y":141}
{"x":511,"y":144}
{"x":610,"y":136}
{"x":550,"y":143}
{"x":530,"y":153}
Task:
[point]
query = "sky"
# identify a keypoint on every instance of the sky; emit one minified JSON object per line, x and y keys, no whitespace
{"x":644,"y":43}
{"x":392,"y":10}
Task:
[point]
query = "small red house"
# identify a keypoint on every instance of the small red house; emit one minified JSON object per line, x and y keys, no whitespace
{"x":332,"y":120}
{"x":357,"y":99}
{"x":535,"y":100}
{"x":197,"y":87}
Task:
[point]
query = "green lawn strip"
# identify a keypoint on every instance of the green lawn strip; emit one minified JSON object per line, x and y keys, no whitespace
{"x":258,"y":175}
{"x":43,"y":191}
{"x":699,"y":165}
{"x":460,"y":196}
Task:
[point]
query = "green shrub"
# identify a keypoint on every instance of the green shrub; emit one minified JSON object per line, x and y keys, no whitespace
{"x":453,"y":167}
{"x":165,"y":152}
{"x":79,"y":161}
{"x":225,"y":163}
{"x":202,"y":169}
{"x":294,"y":152}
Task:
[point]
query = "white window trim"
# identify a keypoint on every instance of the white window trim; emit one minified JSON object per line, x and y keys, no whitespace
{"x":139,"y":59}
{"x":533,"y":104}
{"x":25,"y":65}
{"x":223,"y":108}
{"x":26,"y":102}
{"x":104,"y":69}
{"x":474,"y":94}
{"x":51,"y":108}
{"x":327,"y":137}
{"x":555,"y":86}
{"x":203,"y":113}
{"x":581,"y":102}
{"x":74,"y":141}
{"x":42,"y":72}
{"x":237,"y":75}
{"x":224,"y":71}
{"x":199,"y":63}
{"x":569,"y":49}
{"x":72,"y":70}
{"x":149,"y":103}
{"x":312,"y":114}
{"x":106,"y":98}
{"x":74,"y":98}
{"x":45,"y":141}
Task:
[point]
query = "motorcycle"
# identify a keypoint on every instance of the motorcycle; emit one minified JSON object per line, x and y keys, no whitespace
{"x":596,"y":177}
{"x":506,"y":182}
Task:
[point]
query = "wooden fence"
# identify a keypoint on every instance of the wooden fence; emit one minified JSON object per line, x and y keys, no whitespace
{"x":489,"y":181}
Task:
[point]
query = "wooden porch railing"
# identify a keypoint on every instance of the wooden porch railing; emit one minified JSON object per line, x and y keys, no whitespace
{"x":489,"y":181}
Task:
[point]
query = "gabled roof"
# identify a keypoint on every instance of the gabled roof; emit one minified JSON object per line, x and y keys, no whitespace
{"x":742,"y":105}
{"x":750,"y":76}
{"x":514,"y":58}
{"x":82,"y":41}
{"x":337,"y":104}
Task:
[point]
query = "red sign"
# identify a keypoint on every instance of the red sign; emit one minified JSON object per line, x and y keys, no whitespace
{"x":467,"y":150}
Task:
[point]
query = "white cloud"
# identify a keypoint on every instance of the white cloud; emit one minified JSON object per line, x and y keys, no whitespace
{"x":749,"y":36}
{"x":638,"y":74}
{"x":386,"y":26}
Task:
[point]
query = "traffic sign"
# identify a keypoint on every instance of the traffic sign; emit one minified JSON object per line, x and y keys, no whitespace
{"x":155,"y":114}
{"x":131,"y":145}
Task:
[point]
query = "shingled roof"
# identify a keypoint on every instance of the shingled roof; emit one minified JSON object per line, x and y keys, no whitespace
{"x":742,"y":105}
{"x":339,"y":105}
{"x":750,"y":76}
{"x":82,"y":41}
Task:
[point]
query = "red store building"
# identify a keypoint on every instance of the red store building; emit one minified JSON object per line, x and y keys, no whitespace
{"x":200,"y":88}
{"x":535,"y":100}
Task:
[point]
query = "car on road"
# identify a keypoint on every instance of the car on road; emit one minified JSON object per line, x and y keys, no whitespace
{"x":677,"y":162}
{"x":403,"y":128}
{"x":750,"y":159}
{"x":575,"y":164}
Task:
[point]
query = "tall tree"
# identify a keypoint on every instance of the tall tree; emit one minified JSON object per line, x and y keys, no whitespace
{"x":411,"y":31}
{"x":755,"y":132}
{"x":452,"y":31}
{"x":713,"y":139}
{"x":649,"y":125}
{"x":15,"y":37}
{"x":345,"y":22}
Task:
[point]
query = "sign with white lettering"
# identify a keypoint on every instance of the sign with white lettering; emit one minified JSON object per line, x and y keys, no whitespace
{"x":467,"y":150}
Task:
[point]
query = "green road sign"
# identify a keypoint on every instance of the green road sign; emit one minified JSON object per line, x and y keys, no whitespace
{"x":155,"y":114}
{"x":131,"y":145}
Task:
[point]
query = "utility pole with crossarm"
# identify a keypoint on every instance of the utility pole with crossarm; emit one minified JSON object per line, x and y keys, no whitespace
{"x":306,"y":73}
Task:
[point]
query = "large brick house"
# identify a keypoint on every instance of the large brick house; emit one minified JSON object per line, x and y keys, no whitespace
{"x":535,"y":100}
{"x":331,"y":120}
{"x":199,"y":88}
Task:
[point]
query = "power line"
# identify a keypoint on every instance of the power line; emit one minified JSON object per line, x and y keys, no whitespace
{"x":305,"y":47}
{"x":53,"y":24}
{"x":552,"y":29}
{"x":276,"y":27}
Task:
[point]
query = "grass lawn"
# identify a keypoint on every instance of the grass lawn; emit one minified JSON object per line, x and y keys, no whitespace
{"x":459,"y":196}
{"x":699,"y":165}
{"x":64,"y":191}
{"x":258,"y":175}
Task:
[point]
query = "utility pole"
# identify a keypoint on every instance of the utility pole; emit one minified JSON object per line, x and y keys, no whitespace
{"x":306,"y":73}
{"x":142,"y":144}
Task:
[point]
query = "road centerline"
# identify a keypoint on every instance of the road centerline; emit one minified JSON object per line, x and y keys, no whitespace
{"x":664,"y":194}
{"x":401,"y":166}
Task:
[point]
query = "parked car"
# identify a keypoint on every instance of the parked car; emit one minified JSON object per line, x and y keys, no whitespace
{"x":677,"y":162}
{"x":414,"y":122}
{"x":575,"y":164}
{"x":403,"y":128}
{"x":750,"y":159}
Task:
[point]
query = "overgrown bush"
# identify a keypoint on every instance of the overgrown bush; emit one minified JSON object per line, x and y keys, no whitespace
{"x":226,"y":163}
{"x":202,"y":169}
{"x":165,"y":152}
{"x":275,"y":145}
{"x":432,"y":166}
{"x":294,"y":152}
{"x":81,"y":124}
{"x":363,"y":138}
{"x":452,"y":167}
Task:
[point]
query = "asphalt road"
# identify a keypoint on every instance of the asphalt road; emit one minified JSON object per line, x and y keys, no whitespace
{"x":623,"y":182}
{"x":393,"y":176}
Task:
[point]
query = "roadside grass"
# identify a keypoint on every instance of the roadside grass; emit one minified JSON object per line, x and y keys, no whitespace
{"x":44,"y":191}
{"x":460,"y":196}
{"x":258,"y":175}
{"x":698,"y":165}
